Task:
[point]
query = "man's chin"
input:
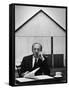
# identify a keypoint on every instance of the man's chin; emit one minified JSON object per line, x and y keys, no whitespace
{"x":36,"y":56}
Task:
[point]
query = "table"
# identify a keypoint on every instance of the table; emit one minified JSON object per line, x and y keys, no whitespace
{"x":41,"y":79}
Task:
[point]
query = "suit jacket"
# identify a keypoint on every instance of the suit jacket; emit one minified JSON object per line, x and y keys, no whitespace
{"x":26,"y":65}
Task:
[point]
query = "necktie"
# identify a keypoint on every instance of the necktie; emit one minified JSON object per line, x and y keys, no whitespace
{"x":36,"y":63}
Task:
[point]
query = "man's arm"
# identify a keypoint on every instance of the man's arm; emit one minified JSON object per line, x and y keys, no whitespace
{"x":23,"y":68}
{"x":45,"y":66}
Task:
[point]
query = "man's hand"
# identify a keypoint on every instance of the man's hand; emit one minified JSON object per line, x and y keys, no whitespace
{"x":41,"y":56}
{"x":23,"y":74}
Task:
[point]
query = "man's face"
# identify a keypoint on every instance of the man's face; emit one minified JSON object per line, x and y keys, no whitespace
{"x":36,"y":50}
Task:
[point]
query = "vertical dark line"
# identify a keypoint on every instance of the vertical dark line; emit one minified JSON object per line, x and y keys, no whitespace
{"x":66,"y":45}
{"x":52,"y":51}
{"x":12,"y":45}
{"x":51,"y":45}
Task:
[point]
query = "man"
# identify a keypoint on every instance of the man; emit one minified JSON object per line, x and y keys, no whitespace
{"x":34,"y":61}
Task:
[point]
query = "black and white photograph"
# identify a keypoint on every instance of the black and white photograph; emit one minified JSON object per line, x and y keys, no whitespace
{"x":39,"y":44}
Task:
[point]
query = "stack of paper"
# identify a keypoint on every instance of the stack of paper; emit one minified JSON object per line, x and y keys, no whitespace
{"x":31,"y":77}
{"x":24,"y":79}
{"x":43,"y":77}
{"x":40,"y":77}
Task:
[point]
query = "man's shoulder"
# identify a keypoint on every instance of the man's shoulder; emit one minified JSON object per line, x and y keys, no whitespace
{"x":27,"y":57}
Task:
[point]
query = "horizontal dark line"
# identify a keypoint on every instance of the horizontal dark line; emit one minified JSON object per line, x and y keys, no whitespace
{"x":39,"y":36}
{"x":39,"y":5}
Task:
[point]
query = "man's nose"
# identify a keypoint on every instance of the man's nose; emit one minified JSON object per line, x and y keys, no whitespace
{"x":36,"y":51}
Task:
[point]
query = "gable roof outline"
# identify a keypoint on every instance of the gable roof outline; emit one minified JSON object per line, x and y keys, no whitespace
{"x":36,"y":15}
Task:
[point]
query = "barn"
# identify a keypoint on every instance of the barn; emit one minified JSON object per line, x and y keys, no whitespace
{"x":45,"y":30}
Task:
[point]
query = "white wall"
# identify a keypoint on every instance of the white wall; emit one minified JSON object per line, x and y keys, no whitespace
{"x":40,"y":25}
{"x":39,"y":29}
{"x":59,"y":46}
{"x":23,"y":13}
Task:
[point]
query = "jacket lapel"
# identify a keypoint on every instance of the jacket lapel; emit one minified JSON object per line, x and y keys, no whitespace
{"x":30,"y":61}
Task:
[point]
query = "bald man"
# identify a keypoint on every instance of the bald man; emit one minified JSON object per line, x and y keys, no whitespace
{"x":31,"y":62}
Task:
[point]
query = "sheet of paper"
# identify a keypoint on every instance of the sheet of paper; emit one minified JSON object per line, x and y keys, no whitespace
{"x":24,"y":79}
{"x":31,"y":74}
{"x":40,"y":77}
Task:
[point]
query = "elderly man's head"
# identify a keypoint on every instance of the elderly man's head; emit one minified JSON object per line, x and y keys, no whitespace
{"x":36,"y":49}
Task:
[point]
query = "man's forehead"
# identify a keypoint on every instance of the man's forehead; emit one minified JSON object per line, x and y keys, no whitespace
{"x":36,"y":45}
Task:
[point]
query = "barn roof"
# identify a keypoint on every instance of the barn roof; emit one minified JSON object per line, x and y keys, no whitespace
{"x":37,"y":14}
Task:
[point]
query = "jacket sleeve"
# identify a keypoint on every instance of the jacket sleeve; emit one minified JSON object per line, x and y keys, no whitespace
{"x":45,"y":67}
{"x":23,"y":68}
